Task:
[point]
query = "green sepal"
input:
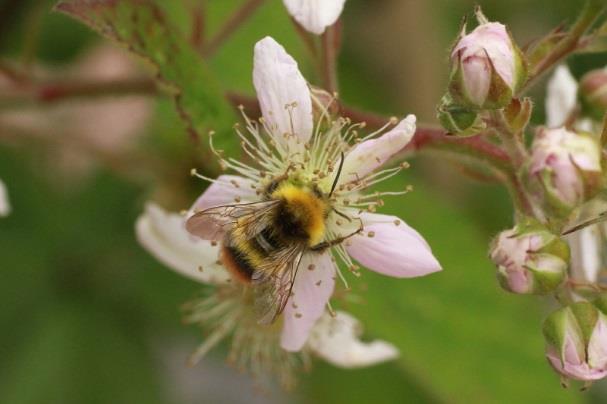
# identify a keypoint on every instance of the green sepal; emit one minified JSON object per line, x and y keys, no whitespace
{"x":458,"y":120}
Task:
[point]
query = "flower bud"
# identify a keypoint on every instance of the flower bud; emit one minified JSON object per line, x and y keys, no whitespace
{"x":576,"y":341}
{"x":487,"y":67}
{"x":593,"y":93}
{"x":529,"y":259}
{"x":565,"y":168}
{"x":458,"y":120}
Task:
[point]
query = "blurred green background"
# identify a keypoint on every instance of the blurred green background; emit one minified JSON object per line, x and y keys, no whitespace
{"x":87,"y":316}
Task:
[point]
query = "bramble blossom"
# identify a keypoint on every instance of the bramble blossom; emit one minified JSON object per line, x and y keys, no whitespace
{"x":288,"y":141}
{"x":332,"y":338}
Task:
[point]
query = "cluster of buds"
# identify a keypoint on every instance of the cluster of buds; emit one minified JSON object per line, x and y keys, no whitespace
{"x":530,"y":259}
{"x":487,"y":70}
{"x":564,"y":170}
{"x":576,"y":341}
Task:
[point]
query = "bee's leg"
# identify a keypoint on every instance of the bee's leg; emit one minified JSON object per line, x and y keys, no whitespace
{"x":328,"y":244}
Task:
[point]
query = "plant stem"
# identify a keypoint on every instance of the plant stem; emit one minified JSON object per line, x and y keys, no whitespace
{"x":571,"y":42}
{"x":231,"y":25}
{"x":52,"y":92}
{"x":197,"y":36}
{"x":330,"y":49}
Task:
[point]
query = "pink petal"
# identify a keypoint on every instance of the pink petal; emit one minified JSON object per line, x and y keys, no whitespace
{"x":391,"y":249}
{"x":279,"y":83}
{"x":228,"y":189}
{"x":312,"y":289}
{"x":369,"y":155}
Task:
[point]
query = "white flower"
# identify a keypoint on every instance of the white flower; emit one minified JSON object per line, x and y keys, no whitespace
{"x":561,"y":97}
{"x":561,"y":102}
{"x":315,"y":15}
{"x":588,"y":244}
{"x":5,"y":207}
{"x":334,"y":339}
{"x":290,"y":147}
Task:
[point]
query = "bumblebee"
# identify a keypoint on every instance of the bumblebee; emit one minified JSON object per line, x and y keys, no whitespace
{"x":262,"y":243}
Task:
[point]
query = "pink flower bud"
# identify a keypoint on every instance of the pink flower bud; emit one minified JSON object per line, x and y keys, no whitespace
{"x":567,"y":167}
{"x":593,"y":93}
{"x":487,"y":67}
{"x":576,"y":341}
{"x":529,"y":259}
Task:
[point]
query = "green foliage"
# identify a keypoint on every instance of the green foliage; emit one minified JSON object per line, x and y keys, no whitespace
{"x":144,"y":29}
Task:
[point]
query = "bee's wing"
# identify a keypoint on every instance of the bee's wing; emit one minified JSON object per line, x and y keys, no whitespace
{"x":274,"y":280}
{"x":213,"y":223}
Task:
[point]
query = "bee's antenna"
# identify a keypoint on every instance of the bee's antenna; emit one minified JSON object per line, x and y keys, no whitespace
{"x":341,"y":165}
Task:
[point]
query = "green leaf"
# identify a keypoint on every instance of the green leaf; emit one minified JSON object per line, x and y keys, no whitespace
{"x":143,"y":28}
{"x":75,"y":353}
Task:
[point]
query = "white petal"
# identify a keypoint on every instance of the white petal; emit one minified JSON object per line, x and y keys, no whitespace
{"x":312,"y":289}
{"x":585,"y":246}
{"x":5,"y":207}
{"x":369,"y":155}
{"x":391,"y":247}
{"x":335,"y":339}
{"x":164,"y":236}
{"x":315,"y":15}
{"x":227,"y":190}
{"x":561,"y":97}
{"x":279,"y":85}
